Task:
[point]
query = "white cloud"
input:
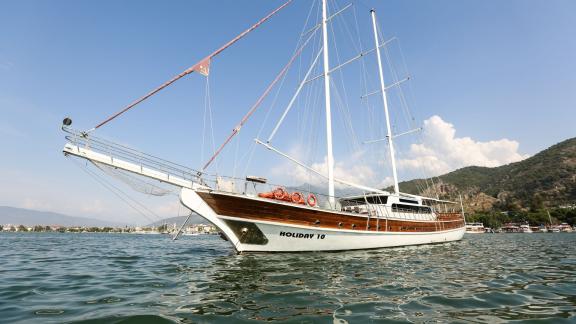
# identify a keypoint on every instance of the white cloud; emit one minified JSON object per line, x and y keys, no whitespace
{"x":353,"y":169}
{"x":441,"y":151}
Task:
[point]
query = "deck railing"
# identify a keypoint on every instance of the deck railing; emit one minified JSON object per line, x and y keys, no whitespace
{"x":243,"y":186}
{"x":125,"y":153}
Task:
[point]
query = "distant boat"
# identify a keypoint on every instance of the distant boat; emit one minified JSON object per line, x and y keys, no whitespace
{"x":542,"y":229}
{"x":475,"y":228}
{"x":146,"y":232}
{"x":564,"y":227}
{"x":510,"y":228}
{"x":554,"y":229}
{"x":525,"y":228}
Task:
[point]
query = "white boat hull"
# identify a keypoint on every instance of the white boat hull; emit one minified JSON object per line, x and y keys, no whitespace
{"x":282,"y":237}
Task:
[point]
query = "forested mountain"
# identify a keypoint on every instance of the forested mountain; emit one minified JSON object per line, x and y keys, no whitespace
{"x":547,"y":179}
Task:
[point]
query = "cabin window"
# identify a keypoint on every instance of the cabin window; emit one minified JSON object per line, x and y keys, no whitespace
{"x":408,"y":201}
{"x":411,"y":209}
{"x":378,"y":200}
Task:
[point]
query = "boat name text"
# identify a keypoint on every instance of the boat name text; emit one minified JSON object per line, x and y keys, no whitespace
{"x":303,"y":235}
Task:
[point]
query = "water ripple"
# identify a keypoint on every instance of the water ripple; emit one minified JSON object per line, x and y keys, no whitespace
{"x":110,"y":278}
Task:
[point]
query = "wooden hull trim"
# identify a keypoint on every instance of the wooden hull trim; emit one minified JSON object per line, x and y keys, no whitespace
{"x":295,"y":226}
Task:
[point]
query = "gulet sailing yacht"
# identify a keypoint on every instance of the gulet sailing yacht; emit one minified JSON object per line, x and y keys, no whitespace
{"x":258,"y":217}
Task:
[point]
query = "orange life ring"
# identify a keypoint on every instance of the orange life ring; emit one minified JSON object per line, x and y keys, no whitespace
{"x":312,"y":200}
{"x":279,"y":193}
{"x":266,"y":195}
{"x":287,"y":196}
{"x":297,"y":197}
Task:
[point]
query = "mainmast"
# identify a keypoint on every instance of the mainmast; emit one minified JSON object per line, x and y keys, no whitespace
{"x":385,"y":100}
{"x":330,"y":156}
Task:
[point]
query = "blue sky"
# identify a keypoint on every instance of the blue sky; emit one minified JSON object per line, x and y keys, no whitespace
{"x":499,"y":75}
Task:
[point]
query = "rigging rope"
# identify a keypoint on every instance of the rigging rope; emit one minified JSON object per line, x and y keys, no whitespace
{"x":344,"y":108}
{"x":201,"y":67}
{"x":133,"y":181}
{"x":118,"y":192}
{"x":248,"y":156}
{"x":207,"y":118}
{"x":256,"y":105}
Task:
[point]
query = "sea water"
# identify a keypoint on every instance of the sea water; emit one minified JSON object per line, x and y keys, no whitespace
{"x":128,"y":278}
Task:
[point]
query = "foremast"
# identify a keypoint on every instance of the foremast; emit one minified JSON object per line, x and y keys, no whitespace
{"x":329,"y":153}
{"x":385,"y":100}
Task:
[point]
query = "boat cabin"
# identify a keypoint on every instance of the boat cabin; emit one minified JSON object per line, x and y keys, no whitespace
{"x":362,"y":203}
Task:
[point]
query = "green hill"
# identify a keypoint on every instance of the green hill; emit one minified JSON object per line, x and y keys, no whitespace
{"x":547,"y":179}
